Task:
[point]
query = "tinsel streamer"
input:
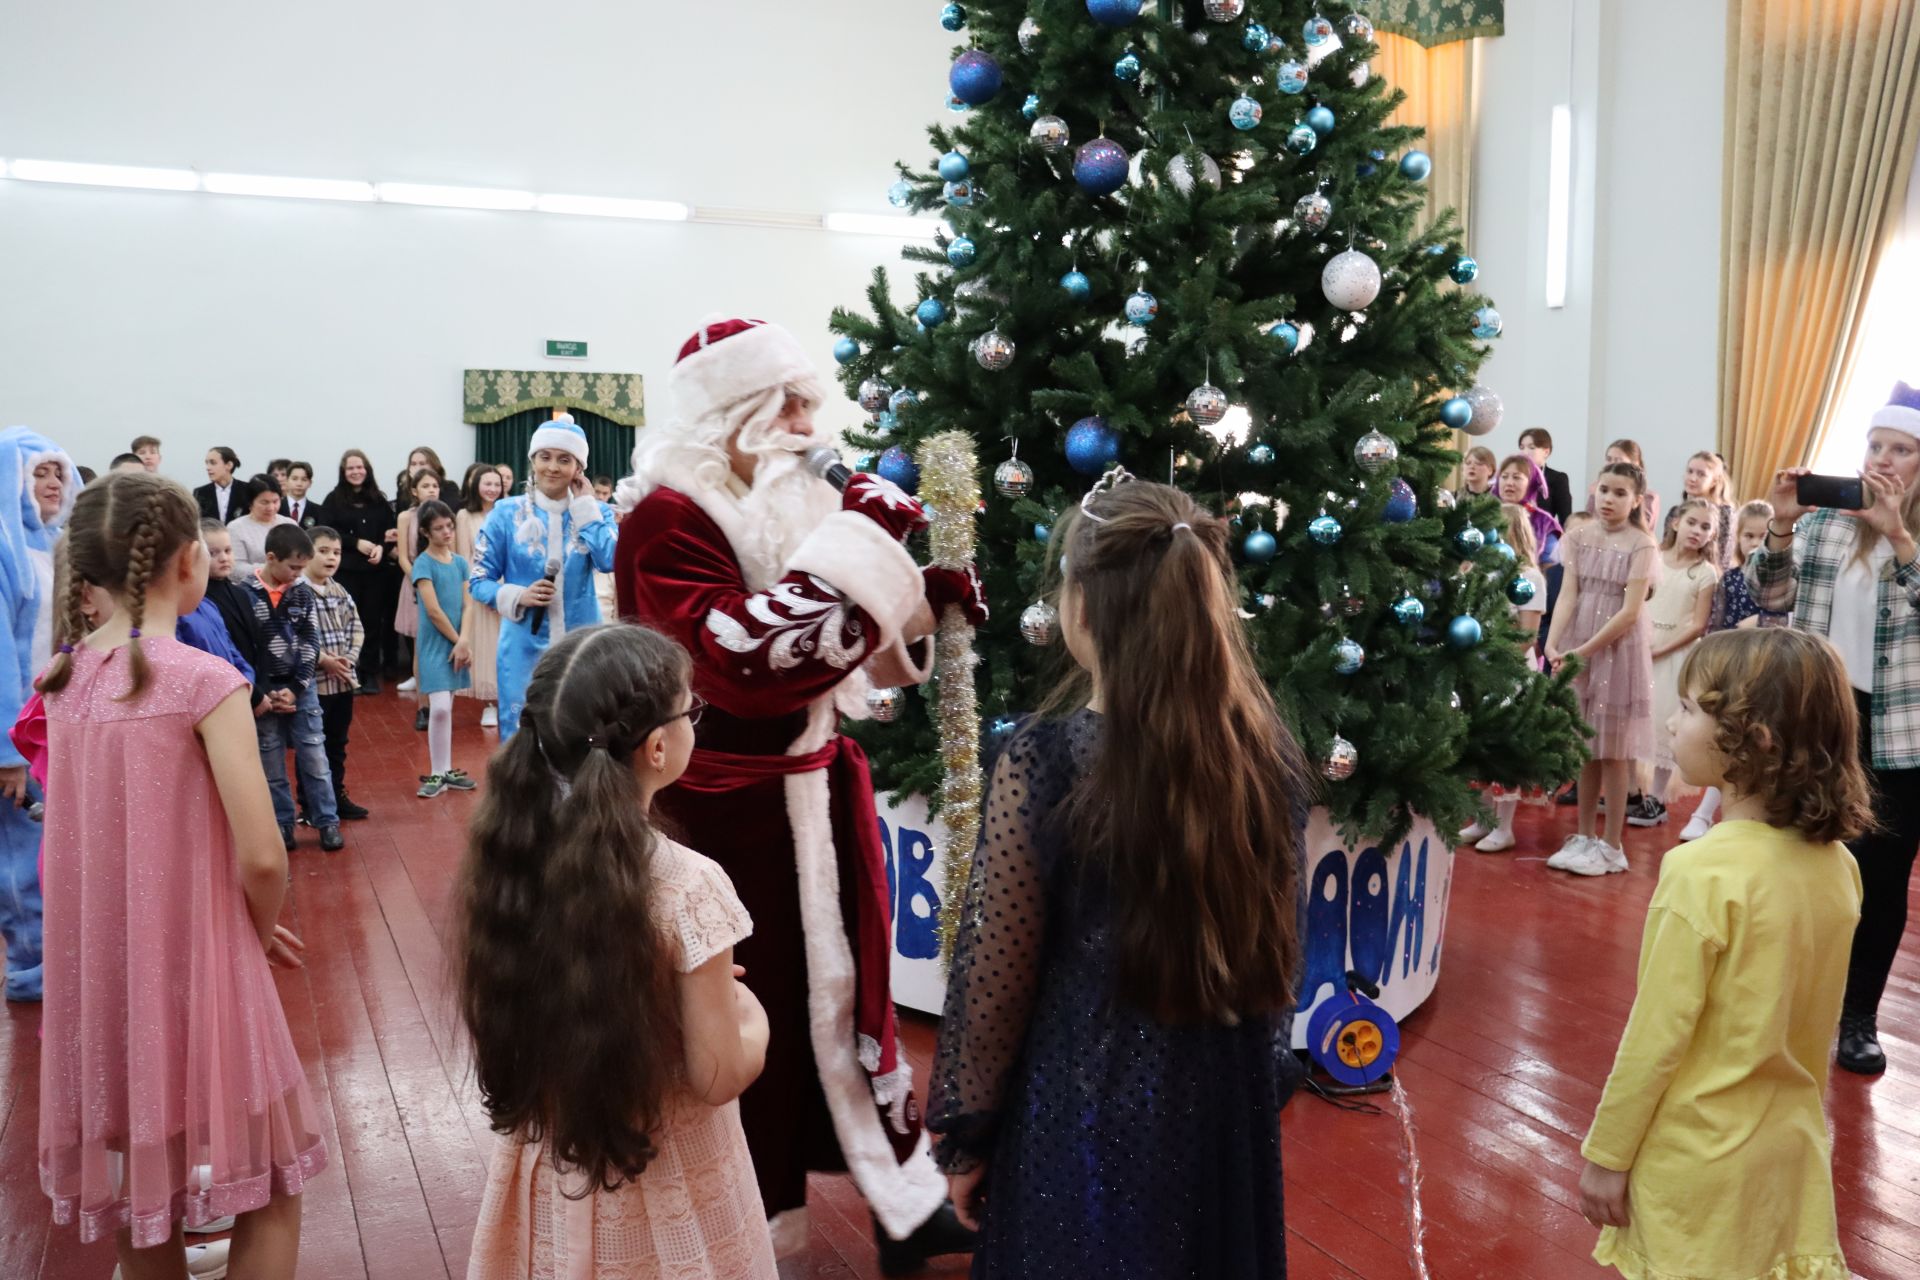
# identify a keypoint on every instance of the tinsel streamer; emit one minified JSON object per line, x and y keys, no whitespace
{"x":1416,"y":1216}
{"x":950,"y":488}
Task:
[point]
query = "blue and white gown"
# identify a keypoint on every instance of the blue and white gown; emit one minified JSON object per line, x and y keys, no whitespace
{"x":510,"y":554}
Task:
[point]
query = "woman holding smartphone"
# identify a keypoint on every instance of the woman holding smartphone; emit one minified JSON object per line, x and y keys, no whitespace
{"x":1851,"y":576}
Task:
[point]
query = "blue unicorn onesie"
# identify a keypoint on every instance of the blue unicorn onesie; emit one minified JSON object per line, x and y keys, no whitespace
{"x":511,"y":552}
{"x":26,"y":646}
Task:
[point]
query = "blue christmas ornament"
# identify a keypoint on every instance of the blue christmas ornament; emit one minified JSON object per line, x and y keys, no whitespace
{"x":1259,"y":546}
{"x":1076,"y":284}
{"x":1324,"y":529}
{"x":1320,"y":119}
{"x":961,"y":252}
{"x":1408,"y":611}
{"x":1113,"y":13}
{"x":884,"y":422}
{"x":1402,"y":504}
{"x":1127,"y":66}
{"x":1457,"y":413}
{"x":957,"y":104}
{"x":1255,"y":38}
{"x":1244,"y":112}
{"x":1260,"y":455}
{"x":1507,"y":553}
{"x":1141,"y":308}
{"x":1415,"y":166}
{"x":1100,"y":167}
{"x":1521,"y":591}
{"x":930,"y":312}
{"x":1435,"y":250}
{"x":1464,"y":632}
{"x":1041,"y":533}
{"x":897,"y":465}
{"x":1291,"y":76}
{"x":1487,"y":323}
{"x":1031,"y":107}
{"x":1092,"y":446}
{"x":1003,"y":727}
{"x":1469,"y":541}
{"x":953,"y":17}
{"x":975,"y":77}
{"x":1285,"y":336}
{"x":954,"y":166}
{"x":959,"y":194}
{"x":865,"y":462}
{"x":1464,"y":270}
{"x":1301,"y":139}
{"x":846,"y":350}
{"x":902,"y":399}
{"x":900,"y":194}
{"x":1348,"y":657}
{"x":1316,"y":30}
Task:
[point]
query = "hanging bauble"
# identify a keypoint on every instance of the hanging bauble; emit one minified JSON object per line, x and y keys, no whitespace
{"x":866,"y":462}
{"x":846,"y":350}
{"x":1141,"y":308}
{"x":1402,"y":504}
{"x":883,"y":705}
{"x":1244,"y":112}
{"x":961,"y":252}
{"x":1469,"y":541}
{"x":1313,"y":211}
{"x":1487,"y":323}
{"x":1260,"y":454}
{"x":1291,"y":76}
{"x":1076,"y":284}
{"x":957,"y":104}
{"x":1041,"y":533}
{"x":1113,"y":13}
{"x":931,"y":312}
{"x":1464,"y":270}
{"x":1351,"y":280}
{"x":1002,"y":728}
{"x":1324,"y":529}
{"x":953,"y":17}
{"x":1013,"y":479}
{"x":1521,"y":591}
{"x":901,"y":400}
{"x":900,"y":194}
{"x":1487,"y":410}
{"x":1051,"y":133}
{"x":1358,"y":26}
{"x":1415,"y":166}
{"x":1506,"y":552}
{"x":1456,"y":412}
{"x":954,"y":166}
{"x":884,"y":422}
{"x":1464,"y":632}
{"x":1301,"y":139}
{"x":1259,"y":547}
{"x":1223,"y":10}
{"x":1206,"y":404}
{"x":1031,"y":107}
{"x":897,"y":465}
{"x":1351,"y":604}
{"x":1367,"y":168}
{"x":1039,"y":623}
{"x":1374,"y":453}
{"x":1316,"y":30}
{"x":975,"y":77}
{"x":1092,"y":446}
{"x":1285,"y":336}
{"x":1100,"y":167}
{"x":1408,"y":611}
{"x":1127,"y":66}
{"x":1361,"y":73}
{"x":1320,"y":120}
{"x":873,"y":394}
{"x":1341,"y":760}
{"x":1180,"y":173}
{"x":994,"y":350}
{"x":959,"y":194}
{"x":1348,"y":657}
{"x":1443,"y":499}
{"x":1255,"y":38}
{"x":1028,"y":34}
{"x":1493,"y":537}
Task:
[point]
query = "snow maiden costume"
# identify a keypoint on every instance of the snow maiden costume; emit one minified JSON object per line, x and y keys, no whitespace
{"x":793,"y":601}
{"x":511,"y":552}
{"x":26,"y":646}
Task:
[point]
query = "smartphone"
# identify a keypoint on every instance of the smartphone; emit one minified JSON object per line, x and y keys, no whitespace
{"x":1846,"y":493}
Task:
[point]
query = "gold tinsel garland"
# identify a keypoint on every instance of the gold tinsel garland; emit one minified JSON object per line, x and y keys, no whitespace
{"x":950,"y":488}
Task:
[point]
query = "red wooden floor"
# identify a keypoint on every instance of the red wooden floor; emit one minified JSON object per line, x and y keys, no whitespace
{"x":1503,"y":1067}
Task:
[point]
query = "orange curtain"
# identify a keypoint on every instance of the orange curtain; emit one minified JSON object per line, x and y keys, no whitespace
{"x":1441,"y":98}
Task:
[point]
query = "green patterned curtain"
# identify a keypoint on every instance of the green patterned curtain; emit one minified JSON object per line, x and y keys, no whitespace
{"x":609,"y":444}
{"x":491,"y":394}
{"x":1437,"y":22}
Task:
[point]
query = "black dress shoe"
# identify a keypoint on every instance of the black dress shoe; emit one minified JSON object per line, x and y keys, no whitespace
{"x":347,"y":809}
{"x":331,"y":840}
{"x":940,"y":1234}
{"x":420,"y":720}
{"x":286,"y":836}
{"x":369,"y":688}
{"x":1860,"y":1050}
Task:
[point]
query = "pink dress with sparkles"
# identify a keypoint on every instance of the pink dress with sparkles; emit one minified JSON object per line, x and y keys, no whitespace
{"x":166,"y":1051}
{"x":695,"y":1213}
{"x":1616,"y":685}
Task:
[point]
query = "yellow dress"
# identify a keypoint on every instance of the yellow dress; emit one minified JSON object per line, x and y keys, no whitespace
{"x":1714,"y":1101}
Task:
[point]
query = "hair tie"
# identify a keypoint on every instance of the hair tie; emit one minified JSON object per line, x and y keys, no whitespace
{"x":1183,"y":525}
{"x":133,"y":633}
{"x":66,"y":648}
{"x":595,"y":743}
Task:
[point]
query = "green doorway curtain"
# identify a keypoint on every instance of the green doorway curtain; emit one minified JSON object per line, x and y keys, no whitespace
{"x":609,"y":444}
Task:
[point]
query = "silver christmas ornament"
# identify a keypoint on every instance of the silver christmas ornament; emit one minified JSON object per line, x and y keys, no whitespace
{"x":1013,"y":479}
{"x":1223,"y":10}
{"x":874,"y":394}
{"x":1374,"y":453}
{"x":1313,"y":211}
{"x":1487,"y":410}
{"x":1350,"y":280}
{"x":1180,"y":173}
{"x":994,"y":350}
{"x":1039,"y":623}
{"x":1206,"y":404}
{"x":1348,"y":657}
{"x":1443,"y":499}
{"x":1341,"y":760}
{"x":1359,"y":26}
{"x":884,"y":705}
{"x":1029,"y":34}
{"x":1051,"y":133}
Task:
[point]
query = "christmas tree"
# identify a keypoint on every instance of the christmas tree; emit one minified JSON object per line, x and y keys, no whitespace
{"x":1182,"y":239}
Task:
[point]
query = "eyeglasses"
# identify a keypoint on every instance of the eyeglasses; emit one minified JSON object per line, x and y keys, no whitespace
{"x":692,"y":713}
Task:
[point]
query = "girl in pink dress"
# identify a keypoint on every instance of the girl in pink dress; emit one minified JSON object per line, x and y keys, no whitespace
{"x":614,"y":1076}
{"x":1601,"y":619}
{"x":169,"y":1086}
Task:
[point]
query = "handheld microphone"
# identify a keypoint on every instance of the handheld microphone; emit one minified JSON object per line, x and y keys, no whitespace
{"x":825,"y":463}
{"x":537,"y":615}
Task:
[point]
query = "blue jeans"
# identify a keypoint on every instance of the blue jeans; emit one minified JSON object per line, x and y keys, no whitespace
{"x":20,"y":900}
{"x":302,"y":734}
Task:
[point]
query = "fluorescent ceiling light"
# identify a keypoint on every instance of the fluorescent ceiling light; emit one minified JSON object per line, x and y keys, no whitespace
{"x":1559,"y":203}
{"x":613,"y":207}
{"x":105,"y":175}
{"x":881,"y":224}
{"x":253,"y":184}
{"x":454,"y":197}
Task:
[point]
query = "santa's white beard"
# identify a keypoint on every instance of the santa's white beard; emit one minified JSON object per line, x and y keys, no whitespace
{"x":785,"y":503}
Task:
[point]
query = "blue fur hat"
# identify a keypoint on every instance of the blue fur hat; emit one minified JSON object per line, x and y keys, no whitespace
{"x":561,"y":433}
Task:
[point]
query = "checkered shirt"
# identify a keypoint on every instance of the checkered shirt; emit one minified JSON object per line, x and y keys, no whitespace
{"x":341,"y":634}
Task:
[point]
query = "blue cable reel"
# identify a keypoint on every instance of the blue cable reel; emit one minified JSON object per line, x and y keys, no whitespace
{"x":1353,"y":1039}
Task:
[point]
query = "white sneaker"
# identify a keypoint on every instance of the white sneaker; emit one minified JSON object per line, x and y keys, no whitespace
{"x":408,"y":685}
{"x":1574,"y":849}
{"x":1616,"y":857}
{"x":490,"y":718}
{"x":1477,"y":831}
{"x":204,"y":1261}
{"x":1598,"y":859}
{"x":1496,"y":842}
{"x":1697,"y":826}
{"x":218,"y":1226}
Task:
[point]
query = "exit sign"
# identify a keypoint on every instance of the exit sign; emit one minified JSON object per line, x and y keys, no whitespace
{"x":558,"y":350}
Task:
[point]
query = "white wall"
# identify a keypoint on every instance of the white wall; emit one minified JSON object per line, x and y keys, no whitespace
{"x":284,"y":327}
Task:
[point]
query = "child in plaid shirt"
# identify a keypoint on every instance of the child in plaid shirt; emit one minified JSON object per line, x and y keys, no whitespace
{"x":285,"y":607}
{"x":341,"y":635}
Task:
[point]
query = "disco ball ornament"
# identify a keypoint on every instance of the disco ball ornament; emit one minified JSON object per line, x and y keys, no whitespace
{"x":883,"y":705}
{"x":1464,"y":632}
{"x":900,"y":194}
{"x":1100,"y":167}
{"x":1127,"y":66}
{"x":846,"y":350}
{"x":897,"y":465}
{"x":1206,"y":404}
{"x":1487,"y":410}
{"x":1141,"y":308}
{"x":1313,"y":211}
{"x":1341,"y":760}
{"x":1031,"y":107}
{"x":1487,"y":323}
{"x":931,"y":312}
{"x":1351,"y":280}
{"x":1244,"y":112}
{"x":962,"y":252}
{"x":1456,"y":412}
{"x":954,"y":166}
{"x":1301,"y":139}
{"x":1028,"y":34}
{"x":959,"y":194}
{"x":1076,"y":284}
{"x":1464,"y":270}
{"x":1092,"y":446}
{"x":1402,"y":504}
{"x":1324,"y":529}
{"x":1285,"y":336}
{"x":1348,"y":658}
{"x":1521,"y":591}
{"x":1408,"y":611}
{"x":1180,"y":173}
{"x":1316,"y":30}
{"x":975,"y":77}
{"x":1374,"y":453}
{"x":901,"y":400}
{"x":1443,"y":499}
{"x":1469,"y":541}
{"x":1051,"y":133}
{"x":1259,"y":547}
{"x":1039,"y":623}
{"x":1260,"y":455}
{"x":953,"y":17}
{"x":1291,"y":76}
{"x":1013,"y":479}
{"x":1359,"y":27}
{"x":1415,"y":166}
{"x":873,"y":394}
{"x":1361,"y":73}
{"x":1320,"y":120}
{"x":1113,"y":13}
{"x":1223,"y":10}
{"x":1256,"y":38}
{"x":994,"y":350}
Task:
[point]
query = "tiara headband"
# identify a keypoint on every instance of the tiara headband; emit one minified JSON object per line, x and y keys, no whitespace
{"x":1105,"y":484}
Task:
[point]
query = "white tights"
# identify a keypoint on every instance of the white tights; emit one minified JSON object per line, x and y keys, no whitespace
{"x":440,"y":731}
{"x":1503,"y":811}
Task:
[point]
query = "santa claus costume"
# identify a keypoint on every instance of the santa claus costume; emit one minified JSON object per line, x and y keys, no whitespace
{"x":793,"y":600}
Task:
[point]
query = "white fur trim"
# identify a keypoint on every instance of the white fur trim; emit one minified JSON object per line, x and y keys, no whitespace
{"x":900,"y":664}
{"x":585,"y":510}
{"x":1898,"y":416}
{"x":729,"y":370}
{"x":506,"y":601}
{"x":866,"y":565}
{"x":791,"y":1230}
{"x":551,"y":435}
